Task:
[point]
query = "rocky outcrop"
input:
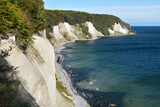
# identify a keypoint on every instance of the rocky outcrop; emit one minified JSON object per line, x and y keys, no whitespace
{"x":67,"y":31}
{"x":57,"y":34}
{"x":92,"y":30}
{"x":64,"y":32}
{"x":118,"y":29}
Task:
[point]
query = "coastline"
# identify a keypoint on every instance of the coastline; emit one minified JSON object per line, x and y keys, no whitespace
{"x":65,"y":79}
{"x":64,"y":76}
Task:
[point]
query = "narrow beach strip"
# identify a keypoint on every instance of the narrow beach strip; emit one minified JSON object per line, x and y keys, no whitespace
{"x":64,"y":77}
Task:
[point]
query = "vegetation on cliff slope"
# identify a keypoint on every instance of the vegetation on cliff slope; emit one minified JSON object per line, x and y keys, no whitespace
{"x":9,"y":93}
{"x":24,"y":17}
{"x":61,"y":88}
{"x":21,"y":18}
{"x":101,"y":22}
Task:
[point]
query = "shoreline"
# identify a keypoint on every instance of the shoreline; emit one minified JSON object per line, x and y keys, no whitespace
{"x":66,"y":80}
{"x":64,"y":76}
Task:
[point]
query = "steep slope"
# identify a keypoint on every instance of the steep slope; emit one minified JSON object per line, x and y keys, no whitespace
{"x":30,"y":77}
{"x":57,"y":34}
{"x":64,"y":32}
{"x":36,"y":71}
{"x":92,"y":30}
{"x":41,"y":55}
{"x":102,"y":22}
{"x":118,"y":30}
{"x":28,"y":44}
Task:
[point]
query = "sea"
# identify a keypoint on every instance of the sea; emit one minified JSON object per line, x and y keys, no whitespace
{"x":122,"y":70}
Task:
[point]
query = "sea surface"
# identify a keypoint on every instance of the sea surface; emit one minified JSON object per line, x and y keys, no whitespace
{"x":121,"y":70}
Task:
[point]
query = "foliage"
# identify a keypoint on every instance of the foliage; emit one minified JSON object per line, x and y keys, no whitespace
{"x":21,"y":18}
{"x":61,"y":87}
{"x":84,"y":29}
{"x":49,"y":37}
{"x":34,"y":9}
{"x":66,"y":35}
{"x":24,"y":17}
{"x":11,"y":18}
{"x":101,"y":22}
{"x":132,"y":32}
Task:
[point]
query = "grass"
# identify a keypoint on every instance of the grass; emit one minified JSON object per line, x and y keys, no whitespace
{"x":61,"y":88}
{"x":132,"y":31}
{"x":66,"y":35}
{"x":35,"y":54}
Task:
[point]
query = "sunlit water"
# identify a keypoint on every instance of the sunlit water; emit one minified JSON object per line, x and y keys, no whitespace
{"x":121,"y":70}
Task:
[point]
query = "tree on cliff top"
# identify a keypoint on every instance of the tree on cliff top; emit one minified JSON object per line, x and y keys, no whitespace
{"x":21,"y":18}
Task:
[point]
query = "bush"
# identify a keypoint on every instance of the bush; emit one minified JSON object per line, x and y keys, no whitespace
{"x":132,"y":32}
{"x":84,"y":29}
{"x":61,"y":87}
{"x":49,"y":37}
{"x":21,"y":18}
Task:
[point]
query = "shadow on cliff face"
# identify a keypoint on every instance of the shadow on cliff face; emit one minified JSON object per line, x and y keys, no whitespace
{"x":12,"y":93}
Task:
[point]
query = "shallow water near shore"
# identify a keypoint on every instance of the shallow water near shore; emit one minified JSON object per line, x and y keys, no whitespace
{"x":122,"y":70}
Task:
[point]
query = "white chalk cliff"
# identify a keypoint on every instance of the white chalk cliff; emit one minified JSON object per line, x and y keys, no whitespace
{"x":41,"y":55}
{"x":36,"y":69}
{"x":118,"y":29}
{"x":92,"y":30}
{"x":64,"y":32}
{"x":36,"y":75}
{"x":57,"y":34}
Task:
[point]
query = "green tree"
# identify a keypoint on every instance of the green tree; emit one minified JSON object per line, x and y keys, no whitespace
{"x":22,"y":18}
{"x":40,"y":18}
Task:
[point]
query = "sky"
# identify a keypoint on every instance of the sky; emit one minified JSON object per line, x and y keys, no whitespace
{"x":134,"y":12}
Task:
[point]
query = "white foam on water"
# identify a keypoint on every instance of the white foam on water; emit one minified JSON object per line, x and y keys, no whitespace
{"x":84,"y":94}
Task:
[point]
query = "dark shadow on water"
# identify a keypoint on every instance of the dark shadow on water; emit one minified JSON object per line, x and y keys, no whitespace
{"x":94,"y":98}
{"x":103,"y":99}
{"x":79,"y":74}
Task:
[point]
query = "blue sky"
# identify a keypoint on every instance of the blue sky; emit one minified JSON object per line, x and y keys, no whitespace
{"x":134,"y":12}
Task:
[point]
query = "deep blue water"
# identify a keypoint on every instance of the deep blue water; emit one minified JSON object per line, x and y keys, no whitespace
{"x":122,"y":70}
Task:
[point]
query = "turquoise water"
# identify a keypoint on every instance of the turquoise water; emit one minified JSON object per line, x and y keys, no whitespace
{"x":122,"y":70}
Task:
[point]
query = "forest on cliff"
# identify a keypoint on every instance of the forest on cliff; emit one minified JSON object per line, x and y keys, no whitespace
{"x":25,"y":17}
{"x":101,"y":21}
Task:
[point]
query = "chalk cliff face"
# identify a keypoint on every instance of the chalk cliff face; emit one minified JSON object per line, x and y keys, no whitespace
{"x":37,"y":72}
{"x":67,"y":31}
{"x":57,"y":34}
{"x":118,"y":29}
{"x":64,"y":32}
{"x":36,"y":68}
{"x":92,"y":30}
{"x":41,"y":55}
